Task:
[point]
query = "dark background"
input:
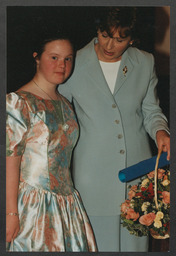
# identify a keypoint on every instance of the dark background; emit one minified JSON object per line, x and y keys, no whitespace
{"x":26,"y":25}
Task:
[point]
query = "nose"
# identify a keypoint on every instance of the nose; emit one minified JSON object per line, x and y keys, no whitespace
{"x":110,"y":43}
{"x":61,"y":63}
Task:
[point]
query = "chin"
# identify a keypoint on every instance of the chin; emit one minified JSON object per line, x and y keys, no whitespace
{"x":60,"y":81}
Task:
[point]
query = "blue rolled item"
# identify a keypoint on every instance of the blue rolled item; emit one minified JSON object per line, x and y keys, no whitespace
{"x":142,"y":168}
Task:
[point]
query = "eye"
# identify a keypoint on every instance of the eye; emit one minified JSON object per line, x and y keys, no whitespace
{"x":54,"y":57}
{"x":119,"y":40}
{"x":69,"y":59}
{"x":104,"y":35}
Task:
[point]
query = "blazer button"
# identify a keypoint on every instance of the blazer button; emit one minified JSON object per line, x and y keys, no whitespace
{"x":117,"y":121}
{"x":114,"y":105}
{"x":120,"y":136}
{"x":122,"y":151}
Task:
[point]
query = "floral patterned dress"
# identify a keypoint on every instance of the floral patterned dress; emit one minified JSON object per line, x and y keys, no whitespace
{"x":52,"y":216}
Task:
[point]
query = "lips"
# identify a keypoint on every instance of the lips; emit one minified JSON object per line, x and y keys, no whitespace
{"x":108,"y":53}
{"x":60,"y":73}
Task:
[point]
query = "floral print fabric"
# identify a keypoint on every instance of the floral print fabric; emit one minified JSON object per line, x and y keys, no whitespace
{"x":52,"y":216}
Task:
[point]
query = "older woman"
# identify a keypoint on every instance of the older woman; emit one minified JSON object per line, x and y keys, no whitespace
{"x":113,"y":89}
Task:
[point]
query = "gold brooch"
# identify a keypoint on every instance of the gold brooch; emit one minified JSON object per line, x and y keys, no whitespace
{"x":125,"y":70}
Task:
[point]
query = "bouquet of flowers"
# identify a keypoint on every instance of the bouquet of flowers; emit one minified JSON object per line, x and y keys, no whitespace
{"x":141,"y":214}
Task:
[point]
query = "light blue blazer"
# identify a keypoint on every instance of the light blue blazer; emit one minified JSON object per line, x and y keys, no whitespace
{"x":114,"y":128}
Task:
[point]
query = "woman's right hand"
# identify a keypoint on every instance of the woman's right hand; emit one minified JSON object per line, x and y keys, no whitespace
{"x":12,"y":227}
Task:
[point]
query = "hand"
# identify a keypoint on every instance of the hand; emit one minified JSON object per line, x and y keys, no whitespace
{"x":163,"y":142}
{"x":12,"y":227}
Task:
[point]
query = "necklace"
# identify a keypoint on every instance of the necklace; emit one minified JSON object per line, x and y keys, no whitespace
{"x":58,"y":109}
{"x":43,"y":90}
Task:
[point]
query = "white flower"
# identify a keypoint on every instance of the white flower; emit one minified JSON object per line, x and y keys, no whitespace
{"x":157,"y":224}
{"x":159,"y":216}
{"x":165,"y":182}
{"x":132,"y":205}
{"x":144,"y":182}
{"x":145,"y":206}
{"x":165,"y":206}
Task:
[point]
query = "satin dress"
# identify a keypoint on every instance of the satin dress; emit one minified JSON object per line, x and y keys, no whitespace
{"x":52,"y":216}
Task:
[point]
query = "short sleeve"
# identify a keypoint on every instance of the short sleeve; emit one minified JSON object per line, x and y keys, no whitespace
{"x":17,"y":124}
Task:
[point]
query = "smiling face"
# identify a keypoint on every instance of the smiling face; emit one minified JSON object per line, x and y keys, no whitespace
{"x":56,"y":61}
{"x":110,"y":49}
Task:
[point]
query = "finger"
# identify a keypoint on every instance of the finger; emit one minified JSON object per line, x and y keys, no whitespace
{"x":164,"y":148}
{"x":168,"y":154}
{"x":8,"y":238}
{"x":15,"y":234}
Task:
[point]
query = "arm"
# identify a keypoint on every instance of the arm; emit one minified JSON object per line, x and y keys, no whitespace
{"x":12,"y":182}
{"x":17,"y":124}
{"x":155,"y":121}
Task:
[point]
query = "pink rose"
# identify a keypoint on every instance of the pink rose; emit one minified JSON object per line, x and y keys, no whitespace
{"x":151,"y":174}
{"x":166,"y":197}
{"x":161,"y":173}
{"x":125,"y":206}
{"x":131,"y":214}
{"x":147,"y":219}
{"x":132,"y":192}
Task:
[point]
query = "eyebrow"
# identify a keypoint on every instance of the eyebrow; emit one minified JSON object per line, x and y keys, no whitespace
{"x":118,"y":38}
{"x":53,"y":53}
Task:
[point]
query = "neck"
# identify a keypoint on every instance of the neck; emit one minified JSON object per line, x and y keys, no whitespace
{"x":45,"y":89}
{"x":45,"y":85}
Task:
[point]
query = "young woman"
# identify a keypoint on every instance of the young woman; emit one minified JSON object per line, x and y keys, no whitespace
{"x":113,"y":89}
{"x":44,"y":212}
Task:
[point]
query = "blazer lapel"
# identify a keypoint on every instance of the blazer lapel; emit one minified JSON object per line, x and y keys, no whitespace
{"x":96,"y":73}
{"x":125,"y":69}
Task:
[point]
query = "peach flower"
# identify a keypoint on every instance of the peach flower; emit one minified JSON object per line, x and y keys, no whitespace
{"x":151,"y":174}
{"x":131,"y":214}
{"x":166,"y":197}
{"x":161,"y":173}
{"x":125,"y":206}
{"x":132,"y":192}
{"x":147,"y":219}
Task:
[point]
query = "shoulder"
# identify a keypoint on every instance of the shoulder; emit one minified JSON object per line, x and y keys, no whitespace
{"x":86,"y":52}
{"x":15,"y":99}
{"x":23,"y":99}
{"x":17,"y":107}
{"x":140,"y":56}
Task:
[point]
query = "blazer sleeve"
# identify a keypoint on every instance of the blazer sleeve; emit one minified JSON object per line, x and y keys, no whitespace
{"x":154,"y":119}
{"x":65,"y":90}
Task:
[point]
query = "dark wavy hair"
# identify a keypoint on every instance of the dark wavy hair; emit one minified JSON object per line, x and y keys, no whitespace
{"x":48,"y":37}
{"x":123,"y":18}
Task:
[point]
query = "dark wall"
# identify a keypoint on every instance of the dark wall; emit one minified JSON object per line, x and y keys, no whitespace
{"x":26,"y":25}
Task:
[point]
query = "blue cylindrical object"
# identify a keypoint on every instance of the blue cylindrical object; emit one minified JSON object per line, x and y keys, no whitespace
{"x":142,"y":168}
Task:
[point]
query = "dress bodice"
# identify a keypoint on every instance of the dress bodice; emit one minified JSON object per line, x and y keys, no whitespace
{"x":44,"y":132}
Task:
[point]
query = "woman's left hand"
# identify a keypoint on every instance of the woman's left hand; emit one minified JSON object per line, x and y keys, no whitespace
{"x":163,"y":142}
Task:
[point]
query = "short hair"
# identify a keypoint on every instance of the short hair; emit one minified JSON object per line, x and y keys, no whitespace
{"x":118,"y":17}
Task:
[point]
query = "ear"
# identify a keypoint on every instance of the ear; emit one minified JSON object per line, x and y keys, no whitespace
{"x":131,"y":42}
{"x":35,"y":54}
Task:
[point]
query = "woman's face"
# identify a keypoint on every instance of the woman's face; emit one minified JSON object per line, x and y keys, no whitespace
{"x":55,"y":63}
{"x":110,"y":49}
